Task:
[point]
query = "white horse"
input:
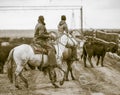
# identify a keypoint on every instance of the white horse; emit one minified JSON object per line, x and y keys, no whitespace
{"x":24,"y":54}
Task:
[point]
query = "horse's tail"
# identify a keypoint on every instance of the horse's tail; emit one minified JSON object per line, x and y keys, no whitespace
{"x":9,"y":64}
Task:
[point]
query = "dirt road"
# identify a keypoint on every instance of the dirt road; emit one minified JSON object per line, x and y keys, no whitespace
{"x":89,"y":81}
{"x":38,"y":85}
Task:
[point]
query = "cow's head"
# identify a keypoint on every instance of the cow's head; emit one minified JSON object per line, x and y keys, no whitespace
{"x":113,"y":47}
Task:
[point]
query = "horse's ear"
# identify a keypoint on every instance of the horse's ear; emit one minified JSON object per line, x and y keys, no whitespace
{"x":53,"y":35}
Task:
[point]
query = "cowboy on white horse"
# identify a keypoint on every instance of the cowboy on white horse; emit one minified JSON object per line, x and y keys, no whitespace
{"x":62,"y":27}
{"x":41,"y":37}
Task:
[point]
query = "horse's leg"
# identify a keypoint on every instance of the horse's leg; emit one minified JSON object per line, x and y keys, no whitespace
{"x":73,"y":78}
{"x":98,"y":58}
{"x":89,"y":58}
{"x":54,"y":76}
{"x":59,"y":67}
{"x":51,"y":76}
{"x":17,"y":73}
{"x":102,"y":58}
{"x":25,"y":80}
{"x":84,"y":58}
{"x":67,"y":74}
{"x":68,"y":69}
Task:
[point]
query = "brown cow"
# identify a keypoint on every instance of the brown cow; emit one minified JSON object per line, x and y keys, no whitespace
{"x":97,"y":47}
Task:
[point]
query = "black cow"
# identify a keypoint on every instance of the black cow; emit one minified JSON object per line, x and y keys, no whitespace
{"x":97,"y":47}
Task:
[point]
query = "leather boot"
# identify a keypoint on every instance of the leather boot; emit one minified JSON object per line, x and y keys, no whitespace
{"x":52,"y":58}
{"x":52,"y":62}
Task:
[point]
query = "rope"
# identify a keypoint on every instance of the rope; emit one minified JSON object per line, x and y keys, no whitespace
{"x":68,"y":37}
{"x":71,"y":39}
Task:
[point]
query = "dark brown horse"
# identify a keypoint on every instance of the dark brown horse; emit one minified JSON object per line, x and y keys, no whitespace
{"x":68,"y":58}
{"x":66,"y":44}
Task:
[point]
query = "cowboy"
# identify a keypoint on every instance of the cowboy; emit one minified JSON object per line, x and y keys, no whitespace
{"x":41,"y":37}
{"x":63,"y":28}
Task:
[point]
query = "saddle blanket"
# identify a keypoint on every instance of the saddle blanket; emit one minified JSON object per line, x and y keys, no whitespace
{"x":38,"y":49}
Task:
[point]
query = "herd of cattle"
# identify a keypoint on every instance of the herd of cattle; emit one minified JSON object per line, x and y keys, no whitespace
{"x":97,"y":44}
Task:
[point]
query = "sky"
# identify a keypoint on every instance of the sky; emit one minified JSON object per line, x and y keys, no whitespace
{"x":96,"y":14}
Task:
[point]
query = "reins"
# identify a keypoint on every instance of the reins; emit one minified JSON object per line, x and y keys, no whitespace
{"x":71,"y":39}
{"x":68,"y":37}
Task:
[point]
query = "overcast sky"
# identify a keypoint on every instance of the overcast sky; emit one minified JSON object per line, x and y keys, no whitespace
{"x":96,"y":13}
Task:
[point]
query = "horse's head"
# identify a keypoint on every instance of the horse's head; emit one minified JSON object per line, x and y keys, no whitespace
{"x":53,"y":35}
{"x":67,"y":39}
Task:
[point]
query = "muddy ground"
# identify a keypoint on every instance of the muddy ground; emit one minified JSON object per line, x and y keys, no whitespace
{"x":89,"y":81}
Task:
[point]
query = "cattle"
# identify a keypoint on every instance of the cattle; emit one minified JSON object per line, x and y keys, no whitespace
{"x":4,"y":51}
{"x":89,"y":32}
{"x":97,"y":47}
{"x":109,"y":37}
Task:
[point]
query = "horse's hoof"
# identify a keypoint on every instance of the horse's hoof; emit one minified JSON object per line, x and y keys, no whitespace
{"x":67,"y":79}
{"x":18,"y":87}
{"x":26,"y":86}
{"x":56,"y":86}
{"x":92,"y":66}
{"x":61,"y":82}
{"x":11,"y":81}
{"x":73,"y":78}
{"x":102,"y":65}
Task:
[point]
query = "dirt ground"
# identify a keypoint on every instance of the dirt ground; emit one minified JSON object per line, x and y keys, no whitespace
{"x":89,"y":81}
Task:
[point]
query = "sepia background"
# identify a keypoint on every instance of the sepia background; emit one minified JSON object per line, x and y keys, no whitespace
{"x":17,"y":22}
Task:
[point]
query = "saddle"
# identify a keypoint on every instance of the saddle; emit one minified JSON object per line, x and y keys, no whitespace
{"x":39,"y":49}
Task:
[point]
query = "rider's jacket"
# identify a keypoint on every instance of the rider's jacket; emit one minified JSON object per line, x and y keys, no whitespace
{"x":62,"y":26}
{"x":40,"y":32}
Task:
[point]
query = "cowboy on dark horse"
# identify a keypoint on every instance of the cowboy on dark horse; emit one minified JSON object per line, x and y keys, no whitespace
{"x":41,"y":37}
{"x":62,"y":27}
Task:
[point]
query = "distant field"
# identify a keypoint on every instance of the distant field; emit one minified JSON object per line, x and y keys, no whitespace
{"x":30,"y":33}
{"x":18,"y":33}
